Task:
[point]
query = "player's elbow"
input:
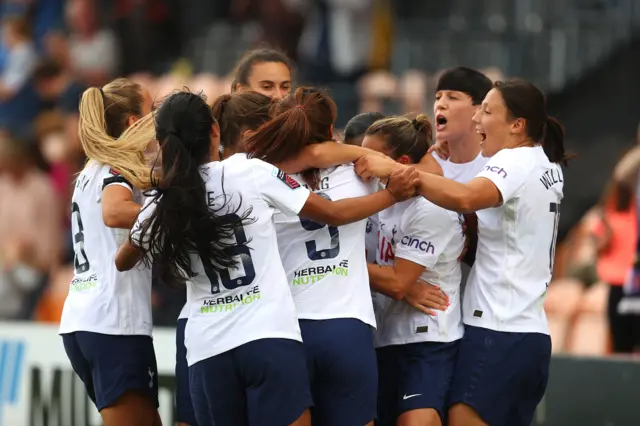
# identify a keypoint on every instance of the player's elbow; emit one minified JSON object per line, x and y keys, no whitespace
{"x":113,"y":216}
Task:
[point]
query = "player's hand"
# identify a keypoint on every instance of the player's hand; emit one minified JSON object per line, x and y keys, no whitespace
{"x":427,"y":298}
{"x":378,"y":166}
{"x":402,"y":184}
{"x":441,"y":149}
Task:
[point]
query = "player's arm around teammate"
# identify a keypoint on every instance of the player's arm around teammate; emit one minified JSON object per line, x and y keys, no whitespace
{"x":517,"y":198}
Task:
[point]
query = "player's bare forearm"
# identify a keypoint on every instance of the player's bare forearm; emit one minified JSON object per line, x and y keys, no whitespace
{"x":127,"y":257}
{"x":322,"y":156}
{"x":428,"y":164}
{"x":383,"y":279}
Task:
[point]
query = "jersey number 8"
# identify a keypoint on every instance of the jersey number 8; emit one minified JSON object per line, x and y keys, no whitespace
{"x":243,"y":252}
{"x":312,"y":249}
{"x":80,"y":259}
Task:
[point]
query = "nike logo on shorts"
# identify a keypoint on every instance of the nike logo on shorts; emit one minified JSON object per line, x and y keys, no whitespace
{"x":411,"y":396}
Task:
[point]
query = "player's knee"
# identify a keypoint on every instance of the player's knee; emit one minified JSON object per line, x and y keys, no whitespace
{"x":464,"y":415}
{"x":421,"y":417}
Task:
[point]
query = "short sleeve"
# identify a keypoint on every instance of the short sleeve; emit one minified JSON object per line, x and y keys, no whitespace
{"x":278,"y":189}
{"x":145,"y":213}
{"x":425,"y":231}
{"x":508,"y":170}
{"x":113,"y":177}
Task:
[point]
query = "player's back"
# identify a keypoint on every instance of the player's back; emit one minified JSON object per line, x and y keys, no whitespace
{"x":100,"y":298}
{"x":250,"y":301}
{"x":326,"y":265}
{"x":516,"y":243}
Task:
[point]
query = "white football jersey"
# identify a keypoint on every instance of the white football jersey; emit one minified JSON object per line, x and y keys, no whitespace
{"x":101,"y":299}
{"x":371,"y":238}
{"x":461,"y":172}
{"x":423,"y":233}
{"x":252,"y":300}
{"x":326,"y":265}
{"x":516,"y":243}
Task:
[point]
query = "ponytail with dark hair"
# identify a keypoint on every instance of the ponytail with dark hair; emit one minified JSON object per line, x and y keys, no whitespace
{"x":182,"y":223}
{"x":524,"y":100}
{"x":304,"y":117}
{"x":553,"y":141}
{"x":405,"y":136}
{"x":237,"y":113}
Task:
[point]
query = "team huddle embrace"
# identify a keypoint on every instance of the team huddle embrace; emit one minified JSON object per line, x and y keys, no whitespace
{"x":387,"y":279}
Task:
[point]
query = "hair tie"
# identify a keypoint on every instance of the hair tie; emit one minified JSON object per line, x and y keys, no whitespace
{"x":300,"y":106}
{"x":101,"y":92}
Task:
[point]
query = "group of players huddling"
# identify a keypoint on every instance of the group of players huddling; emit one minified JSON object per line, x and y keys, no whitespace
{"x":324,"y":280}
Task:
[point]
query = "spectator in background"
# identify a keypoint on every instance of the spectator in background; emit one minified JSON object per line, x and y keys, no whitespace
{"x":19,"y":103}
{"x":92,"y":51}
{"x":21,"y":57}
{"x":30,"y":239}
{"x":58,"y":86}
{"x":334,"y":48}
{"x":616,"y":236}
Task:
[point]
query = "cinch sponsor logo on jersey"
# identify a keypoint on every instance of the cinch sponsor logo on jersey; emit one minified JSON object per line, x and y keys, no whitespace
{"x":424,"y":246}
{"x":229,"y":303}
{"x":316,"y":273}
{"x":495,"y":169}
{"x":11,"y":359}
{"x":84,"y":284}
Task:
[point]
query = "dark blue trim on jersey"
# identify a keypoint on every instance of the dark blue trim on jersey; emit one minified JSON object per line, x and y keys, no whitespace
{"x":115,"y":179}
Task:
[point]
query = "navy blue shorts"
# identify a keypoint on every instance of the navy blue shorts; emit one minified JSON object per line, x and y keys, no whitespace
{"x":342,"y":371}
{"x":110,"y":365}
{"x":414,"y":376}
{"x":261,"y":383}
{"x":184,"y":407}
{"x":503,"y":376}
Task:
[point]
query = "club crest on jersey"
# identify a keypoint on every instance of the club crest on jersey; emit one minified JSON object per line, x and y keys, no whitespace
{"x":286,"y":179}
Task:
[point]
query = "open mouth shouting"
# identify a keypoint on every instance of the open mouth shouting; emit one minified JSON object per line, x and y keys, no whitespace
{"x":441,"y":122}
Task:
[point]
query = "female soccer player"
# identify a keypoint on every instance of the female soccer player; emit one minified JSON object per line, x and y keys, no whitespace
{"x":106,"y":321}
{"x":417,"y":240}
{"x":325,"y":266}
{"x":353,"y":135}
{"x":265,"y":71}
{"x":212,"y":223}
{"x":505,"y":352}
{"x":235,"y":115}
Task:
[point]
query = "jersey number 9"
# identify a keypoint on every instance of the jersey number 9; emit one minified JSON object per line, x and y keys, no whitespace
{"x":312,"y":249}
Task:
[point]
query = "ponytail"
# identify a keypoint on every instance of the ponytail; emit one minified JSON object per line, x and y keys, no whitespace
{"x":553,"y":141}
{"x":104,"y":135}
{"x":183,"y":223}
{"x":305,"y":117}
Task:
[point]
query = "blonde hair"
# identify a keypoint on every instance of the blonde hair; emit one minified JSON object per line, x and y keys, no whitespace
{"x":405,"y":136}
{"x":105,"y":136}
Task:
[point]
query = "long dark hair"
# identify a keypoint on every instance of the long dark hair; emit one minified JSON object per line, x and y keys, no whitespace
{"x":183,"y":223}
{"x":302,"y":118}
{"x":239,"y":112}
{"x":525,"y":100}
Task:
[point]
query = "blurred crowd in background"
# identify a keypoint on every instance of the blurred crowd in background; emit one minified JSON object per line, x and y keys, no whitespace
{"x":373,"y":55}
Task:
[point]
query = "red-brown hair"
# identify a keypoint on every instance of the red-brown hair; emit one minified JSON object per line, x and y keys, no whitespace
{"x":304,"y":117}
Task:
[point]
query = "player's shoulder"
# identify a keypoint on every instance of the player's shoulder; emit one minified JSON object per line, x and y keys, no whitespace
{"x":421,"y":210}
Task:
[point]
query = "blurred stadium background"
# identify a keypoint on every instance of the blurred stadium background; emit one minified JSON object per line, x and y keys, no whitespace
{"x":384,"y":55}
